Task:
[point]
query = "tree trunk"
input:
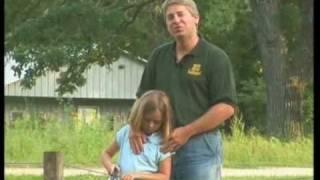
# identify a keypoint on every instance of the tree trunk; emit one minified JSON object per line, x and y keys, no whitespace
{"x":286,"y":76}
{"x":294,"y":108}
{"x":273,"y":50}
{"x":306,"y":39}
{"x":299,"y":72}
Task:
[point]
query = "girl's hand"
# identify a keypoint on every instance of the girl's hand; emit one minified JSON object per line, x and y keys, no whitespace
{"x":114,"y":170}
{"x":127,"y":177}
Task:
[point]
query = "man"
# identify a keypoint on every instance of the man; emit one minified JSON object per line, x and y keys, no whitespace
{"x":198,"y":78}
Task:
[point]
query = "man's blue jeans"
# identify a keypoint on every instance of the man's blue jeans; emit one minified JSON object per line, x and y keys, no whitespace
{"x":199,"y":159}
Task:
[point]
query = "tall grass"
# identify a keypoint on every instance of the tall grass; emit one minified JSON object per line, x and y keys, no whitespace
{"x":82,"y":145}
{"x":252,"y":149}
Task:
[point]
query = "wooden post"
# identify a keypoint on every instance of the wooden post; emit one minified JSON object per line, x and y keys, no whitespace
{"x":53,"y":166}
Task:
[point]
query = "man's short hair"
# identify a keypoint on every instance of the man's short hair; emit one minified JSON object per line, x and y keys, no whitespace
{"x":191,"y":5}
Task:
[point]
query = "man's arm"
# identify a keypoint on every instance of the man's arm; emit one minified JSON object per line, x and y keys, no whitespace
{"x":214,"y":117}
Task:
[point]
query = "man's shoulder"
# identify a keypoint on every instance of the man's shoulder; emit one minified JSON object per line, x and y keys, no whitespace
{"x":215,"y":54}
{"x":164,"y":47}
{"x":161,"y":51}
{"x":213,"y":48}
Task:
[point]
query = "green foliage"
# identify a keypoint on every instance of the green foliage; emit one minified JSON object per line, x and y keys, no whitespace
{"x":83,"y":145}
{"x":27,"y":141}
{"x":289,"y":13}
{"x":253,"y":150}
{"x":76,"y":34}
{"x":220,"y":17}
{"x":79,"y":177}
{"x":252,"y":102}
{"x":288,"y":24}
{"x":71,"y":36}
{"x":240,"y":44}
{"x":237,"y":127}
{"x":297,"y":31}
{"x":269,"y":178}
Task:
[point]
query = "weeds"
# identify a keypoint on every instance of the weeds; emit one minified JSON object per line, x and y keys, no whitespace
{"x":83,"y":145}
{"x":252,"y":149}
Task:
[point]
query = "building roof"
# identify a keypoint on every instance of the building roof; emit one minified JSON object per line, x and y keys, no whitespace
{"x":118,"y":81}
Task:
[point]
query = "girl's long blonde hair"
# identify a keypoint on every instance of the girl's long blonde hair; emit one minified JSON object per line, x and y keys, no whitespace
{"x":151,"y":101}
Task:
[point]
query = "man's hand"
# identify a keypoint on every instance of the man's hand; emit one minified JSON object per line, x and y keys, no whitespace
{"x":137,"y":139}
{"x":178,"y":138}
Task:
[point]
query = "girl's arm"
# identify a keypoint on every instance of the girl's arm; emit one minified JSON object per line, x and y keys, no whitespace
{"x":107,"y":155}
{"x":163,"y":174}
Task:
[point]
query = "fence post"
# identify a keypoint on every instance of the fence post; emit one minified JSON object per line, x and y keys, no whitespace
{"x":53,"y":166}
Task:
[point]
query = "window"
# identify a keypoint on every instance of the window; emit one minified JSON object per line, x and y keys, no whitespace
{"x":88,"y":114}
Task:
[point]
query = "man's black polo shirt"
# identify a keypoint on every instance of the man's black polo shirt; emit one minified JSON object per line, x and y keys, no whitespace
{"x":203,"y":78}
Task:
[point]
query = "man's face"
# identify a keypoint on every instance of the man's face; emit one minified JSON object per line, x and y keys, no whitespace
{"x":180,"y":21}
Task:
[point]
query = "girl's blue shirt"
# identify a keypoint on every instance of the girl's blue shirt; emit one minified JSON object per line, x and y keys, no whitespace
{"x":147,"y":161}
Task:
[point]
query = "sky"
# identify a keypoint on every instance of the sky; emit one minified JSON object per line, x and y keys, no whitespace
{"x":8,"y":73}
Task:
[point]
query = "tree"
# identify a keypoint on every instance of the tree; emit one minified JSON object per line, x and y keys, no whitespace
{"x":283,"y":61}
{"x":42,"y":35}
{"x":71,"y":36}
{"x":238,"y":40}
{"x":299,"y":62}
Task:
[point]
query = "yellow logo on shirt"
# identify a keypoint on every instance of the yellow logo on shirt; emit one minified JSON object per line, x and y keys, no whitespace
{"x":195,"y":70}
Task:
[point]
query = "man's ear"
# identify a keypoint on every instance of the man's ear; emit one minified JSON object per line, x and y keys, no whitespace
{"x":197,"y":21}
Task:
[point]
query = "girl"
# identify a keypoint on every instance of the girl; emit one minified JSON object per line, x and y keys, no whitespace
{"x":151,"y":114}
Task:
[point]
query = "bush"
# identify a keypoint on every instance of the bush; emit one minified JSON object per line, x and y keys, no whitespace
{"x":252,"y":103}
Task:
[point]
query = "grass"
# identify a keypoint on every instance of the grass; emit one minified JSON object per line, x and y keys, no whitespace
{"x":27,"y":142}
{"x":65,"y":178}
{"x":104,"y":178}
{"x":253,"y":150}
{"x":83,"y":145}
{"x":268,"y":178}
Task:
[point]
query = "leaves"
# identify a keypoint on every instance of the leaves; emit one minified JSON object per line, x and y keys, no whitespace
{"x":71,"y":34}
{"x":62,"y":34}
{"x":219,"y":17}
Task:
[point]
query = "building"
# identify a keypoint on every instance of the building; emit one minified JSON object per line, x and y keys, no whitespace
{"x":107,"y":95}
